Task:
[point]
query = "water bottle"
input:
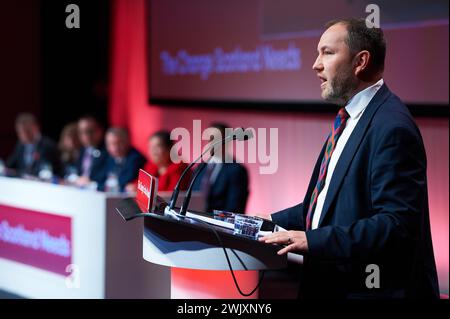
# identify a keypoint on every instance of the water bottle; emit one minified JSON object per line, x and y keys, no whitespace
{"x":71,"y":175}
{"x":46,"y":172}
{"x":2,"y":168}
{"x":112,"y":183}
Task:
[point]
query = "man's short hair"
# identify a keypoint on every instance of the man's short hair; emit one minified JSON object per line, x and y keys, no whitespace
{"x":360,"y":38}
{"x":90,"y":118}
{"x":221,"y":126}
{"x":120,"y":132}
{"x":26,"y":118}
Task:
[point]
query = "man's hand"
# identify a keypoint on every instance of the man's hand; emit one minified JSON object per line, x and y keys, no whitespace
{"x":295,"y":241}
{"x":82,"y":181}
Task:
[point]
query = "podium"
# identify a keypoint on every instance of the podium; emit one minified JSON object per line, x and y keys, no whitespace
{"x":187,"y":243}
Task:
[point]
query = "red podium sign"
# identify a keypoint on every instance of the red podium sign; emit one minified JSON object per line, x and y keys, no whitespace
{"x":146,"y":190}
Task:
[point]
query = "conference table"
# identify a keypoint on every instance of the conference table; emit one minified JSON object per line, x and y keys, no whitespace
{"x":60,"y":241}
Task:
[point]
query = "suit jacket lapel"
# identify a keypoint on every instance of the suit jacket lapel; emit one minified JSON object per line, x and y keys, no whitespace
{"x":351,"y":147}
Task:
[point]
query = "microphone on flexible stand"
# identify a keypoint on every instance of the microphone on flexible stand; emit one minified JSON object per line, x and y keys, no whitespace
{"x":187,"y":198}
{"x":239,"y":135}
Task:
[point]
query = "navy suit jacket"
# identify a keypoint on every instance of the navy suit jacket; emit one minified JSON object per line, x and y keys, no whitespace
{"x":127,"y":171}
{"x":45,"y":152}
{"x":229,"y":192}
{"x":375,"y":212}
{"x":98,"y":163}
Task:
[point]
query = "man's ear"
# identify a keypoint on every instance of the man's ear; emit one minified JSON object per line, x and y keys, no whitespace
{"x":361,"y":62}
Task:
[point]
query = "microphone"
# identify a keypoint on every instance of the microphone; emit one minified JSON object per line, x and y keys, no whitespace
{"x":187,"y":198}
{"x":238,"y":134}
{"x":243,"y":135}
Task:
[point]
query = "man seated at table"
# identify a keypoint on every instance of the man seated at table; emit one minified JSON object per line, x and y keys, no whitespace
{"x":33,"y":152}
{"x":224,"y":182}
{"x":123,"y":163}
{"x":92,"y":158}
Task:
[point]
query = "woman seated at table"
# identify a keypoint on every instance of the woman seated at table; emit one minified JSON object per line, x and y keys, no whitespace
{"x":69,"y":149}
{"x":161,"y":165}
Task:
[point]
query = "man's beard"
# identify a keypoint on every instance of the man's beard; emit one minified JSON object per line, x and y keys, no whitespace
{"x":340,"y":88}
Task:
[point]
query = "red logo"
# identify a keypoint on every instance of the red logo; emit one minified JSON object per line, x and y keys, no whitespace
{"x":146,"y":190}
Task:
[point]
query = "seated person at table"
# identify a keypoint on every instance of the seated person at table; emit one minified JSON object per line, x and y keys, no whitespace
{"x":33,"y":151}
{"x":224,"y":185}
{"x":92,"y":159}
{"x":69,"y":149}
{"x":161,"y":165}
{"x":123,"y":163}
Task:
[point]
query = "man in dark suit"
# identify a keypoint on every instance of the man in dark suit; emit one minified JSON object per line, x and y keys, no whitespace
{"x":224,"y":185}
{"x":363,"y":226}
{"x":91,"y":163}
{"x":33,"y":151}
{"x":123,"y":163}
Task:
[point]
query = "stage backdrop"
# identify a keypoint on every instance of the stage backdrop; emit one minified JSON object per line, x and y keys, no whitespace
{"x":263,"y":50}
{"x":301,"y":135}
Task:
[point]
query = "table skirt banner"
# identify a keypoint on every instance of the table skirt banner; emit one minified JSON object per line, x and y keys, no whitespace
{"x":36,"y":239}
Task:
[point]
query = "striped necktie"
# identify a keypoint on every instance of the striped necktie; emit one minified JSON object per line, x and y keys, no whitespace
{"x":338,"y":127}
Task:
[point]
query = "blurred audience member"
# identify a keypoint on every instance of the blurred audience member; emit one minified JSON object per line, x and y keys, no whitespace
{"x":123,"y":163}
{"x":161,"y":165}
{"x":91,"y":163}
{"x":224,"y":185}
{"x":34,"y":153}
{"x":69,"y":149}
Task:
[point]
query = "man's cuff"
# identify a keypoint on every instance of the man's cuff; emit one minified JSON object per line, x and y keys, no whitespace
{"x":279,"y":219}
{"x":315,"y":244}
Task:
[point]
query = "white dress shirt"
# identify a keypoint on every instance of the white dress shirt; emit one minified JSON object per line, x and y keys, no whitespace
{"x":217,"y":162}
{"x":355,"y":108}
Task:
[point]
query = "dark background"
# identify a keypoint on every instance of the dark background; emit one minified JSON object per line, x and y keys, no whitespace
{"x":54,"y":72}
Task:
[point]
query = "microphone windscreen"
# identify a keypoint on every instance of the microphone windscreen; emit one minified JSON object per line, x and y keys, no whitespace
{"x":243,"y":135}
